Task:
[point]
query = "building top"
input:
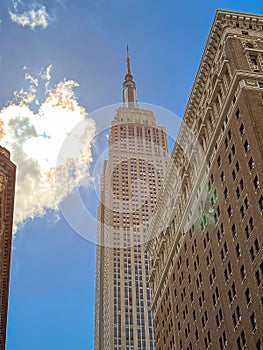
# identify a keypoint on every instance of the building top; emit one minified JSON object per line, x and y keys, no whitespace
{"x":5,"y":152}
{"x":225,"y":21}
{"x":129,"y":86}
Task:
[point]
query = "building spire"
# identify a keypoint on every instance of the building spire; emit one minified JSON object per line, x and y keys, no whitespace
{"x":129,"y":86}
{"x":128,"y":64}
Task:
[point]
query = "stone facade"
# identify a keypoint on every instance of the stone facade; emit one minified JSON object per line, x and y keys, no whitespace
{"x":7,"y":189}
{"x":206,"y":264}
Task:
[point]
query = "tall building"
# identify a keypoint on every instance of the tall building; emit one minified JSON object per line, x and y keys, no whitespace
{"x":131,"y":179}
{"x":7,"y":190}
{"x":206,"y":275}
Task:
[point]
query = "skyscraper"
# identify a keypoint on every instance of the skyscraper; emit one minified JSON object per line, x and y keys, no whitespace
{"x":131,"y":179}
{"x":7,"y":190}
{"x":207,"y":279}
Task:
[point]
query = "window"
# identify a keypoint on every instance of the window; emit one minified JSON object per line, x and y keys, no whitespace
{"x":238,"y":113}
{"x":256,"y":245}
{"x":246,"y":204}
{"x":251,"y":164}
{"x":229,"y":211}
{"x":247,"y":231}
{"x":259,"y":345}
{"x":248,"y":295}
{"x":219,"y":318}
{"x":226,"y":275}
{"x":246,"y":146}
{"x":230,"y":297}
{"x":229,"y":267}
{"x":251,"y":223}
{"x":233,"y":230}
{"x":203,"y":295}
{"x":242,"y":129}
{"x":242,"y":211}
{"x":243,"y":337}
{"x":253,"y":60}
{"x":215,"y":194}
{"x":215,"y":296}
{"x":223,"y":341}
{"x":206,"y":316}
{"x":226,"y":193}
{"x":236,"y":316}
{"x":243,"y":272}
{"x":241,"y":341}
{"x":218,"y":212}
{"x":238,"y":250}
{"x":256,"y":183}
{"x":228,"y":271}
{"x":212,"y":276}
{"x":258,"y":277}
{"x":232,"y":293}
{"x":194,"y":315}
{"x":207,"y":340}
{"x":253,"y":321}
{"x":254,"y":249}
{"x":219,"y":161}
{"x":252,"y":253}
{"x":260,"y":202}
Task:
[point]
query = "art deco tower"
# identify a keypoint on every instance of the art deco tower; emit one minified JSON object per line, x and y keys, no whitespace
{"x":131,"y":179}
{"x":7,"y":190}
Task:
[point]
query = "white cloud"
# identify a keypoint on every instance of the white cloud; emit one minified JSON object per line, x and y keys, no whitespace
{"x":16,"y":3}
{"x":36,"y":17}
{"x":45,"y":176}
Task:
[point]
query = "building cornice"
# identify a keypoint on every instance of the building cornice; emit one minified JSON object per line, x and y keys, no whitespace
{"x":222,"y":20}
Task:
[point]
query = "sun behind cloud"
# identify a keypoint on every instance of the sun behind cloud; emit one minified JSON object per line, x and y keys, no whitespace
{"x":34,"y":138}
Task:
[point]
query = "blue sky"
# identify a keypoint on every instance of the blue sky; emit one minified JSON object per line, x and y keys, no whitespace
{"x":53,"y":268}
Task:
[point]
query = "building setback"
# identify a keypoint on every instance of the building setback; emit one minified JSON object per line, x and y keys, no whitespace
{"x":131,"y":179}
{"x":7,"y":191}
{"x":206,"y":275}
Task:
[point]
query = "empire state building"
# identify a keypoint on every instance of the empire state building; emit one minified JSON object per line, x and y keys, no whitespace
{"x":131,"y":179}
